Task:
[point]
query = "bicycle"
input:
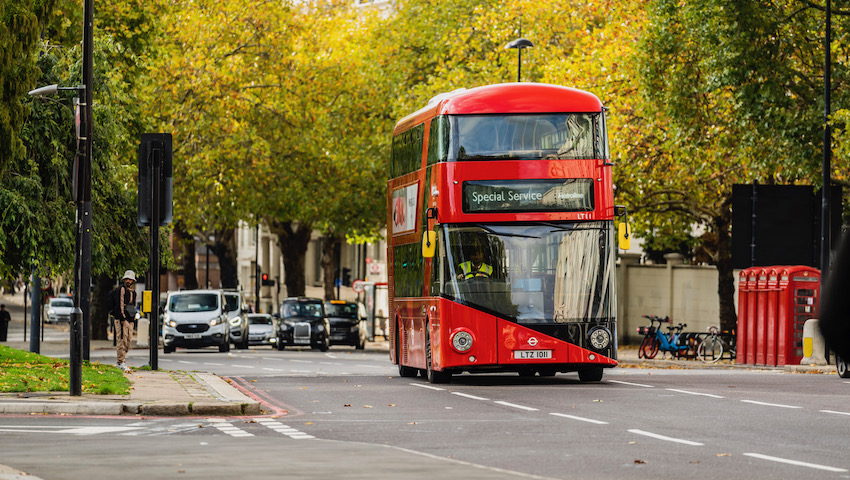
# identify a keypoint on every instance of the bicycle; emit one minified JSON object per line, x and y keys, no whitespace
{"x":655,"y":341}
{"x":712,"y":347}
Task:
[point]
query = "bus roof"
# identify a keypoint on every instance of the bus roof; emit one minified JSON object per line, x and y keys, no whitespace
{"x":505,"y":98}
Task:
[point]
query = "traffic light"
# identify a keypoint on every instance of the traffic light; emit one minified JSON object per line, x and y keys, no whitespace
{"x":267,"y":282}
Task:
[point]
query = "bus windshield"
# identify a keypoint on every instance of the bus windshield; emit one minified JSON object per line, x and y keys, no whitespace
{"x":540,"y":136}
{"x":530,"y":273}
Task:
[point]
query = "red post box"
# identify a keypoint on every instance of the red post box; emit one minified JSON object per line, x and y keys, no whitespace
{"x":772,"y":316}
{"x":743,"y":303}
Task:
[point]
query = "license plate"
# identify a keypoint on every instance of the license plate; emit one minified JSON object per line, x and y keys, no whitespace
{"x":532,"y":354}
{"x":192,"y":336}
{"x":302,"y":341}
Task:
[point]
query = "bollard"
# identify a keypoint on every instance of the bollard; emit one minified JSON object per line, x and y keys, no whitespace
{"x":143,"y":332}
{"x":813,"y":344}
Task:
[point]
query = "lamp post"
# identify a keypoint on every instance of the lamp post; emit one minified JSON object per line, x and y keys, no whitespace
{"x":519,"y":44}
{"x":80,"y":319}
{"x":827,"y":146}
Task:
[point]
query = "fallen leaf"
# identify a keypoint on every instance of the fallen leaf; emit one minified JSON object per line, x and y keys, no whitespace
{"x":367,"y":406}
{"x":723,"y":455}
{"x":391,"y":405}
{"x":308,"y":423}
{"x":347,"y":405}
{"x":640,"y":461}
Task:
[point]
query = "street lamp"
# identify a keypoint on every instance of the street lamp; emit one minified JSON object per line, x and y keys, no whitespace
{"x":519,"y":44}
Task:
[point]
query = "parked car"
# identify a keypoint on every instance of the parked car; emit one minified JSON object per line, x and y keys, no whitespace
{"x":347,"y":326}
{"x":262,"y":329}
{"x":236,"y":311}
{"x":58,"y":309}
{"x":195,"y":319}
{"x":303,"y":323}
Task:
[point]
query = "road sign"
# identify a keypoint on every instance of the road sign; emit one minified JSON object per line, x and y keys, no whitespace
{"x":358,"y":286}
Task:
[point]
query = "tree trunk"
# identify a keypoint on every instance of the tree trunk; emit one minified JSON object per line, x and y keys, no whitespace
{"x":725,"y":273}
{"x":329,"y":243}
{"x":224,"y":249}
{"x":187,"y":242}
{"x":293,"y":240}
{"x":100,"y":309}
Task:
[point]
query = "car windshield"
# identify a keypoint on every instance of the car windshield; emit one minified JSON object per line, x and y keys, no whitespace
{"x":62,"y":303}
{"x":193,"y":302}
{"x":260,"y":320}
{"x":301,"y":309}
{"x":531,"y":274}
{"x":341,"y":310}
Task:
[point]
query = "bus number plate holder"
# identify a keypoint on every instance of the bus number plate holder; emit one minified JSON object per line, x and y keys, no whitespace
{"x":532,"y":354}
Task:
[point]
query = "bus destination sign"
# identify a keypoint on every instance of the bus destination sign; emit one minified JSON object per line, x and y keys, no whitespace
{"x":547,"y":195}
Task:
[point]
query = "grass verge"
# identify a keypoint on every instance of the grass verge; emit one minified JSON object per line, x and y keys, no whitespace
{"x":22,"y":371}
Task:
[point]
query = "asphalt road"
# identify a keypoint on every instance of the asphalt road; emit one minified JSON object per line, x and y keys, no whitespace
{"x":347,"y":414}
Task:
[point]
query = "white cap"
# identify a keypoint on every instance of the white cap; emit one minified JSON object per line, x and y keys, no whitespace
{"x":129,"y":274}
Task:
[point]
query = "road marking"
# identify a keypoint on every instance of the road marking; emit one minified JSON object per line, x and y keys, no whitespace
{"x":88,"y":430}
{"x":184,"y":361}
{"x":214,"y":364}
{"x":329,"y":363}
{"x":229,"y":429}
{"x":466,"y":395}
{"x":521,"y":407}
{"x":371,"y":366}
{"x":770,"y":404}
{"x":427,"y":386}
{"x":284,"y":429}
{"x":795,"y":462}
{"x":243,"y":366}
{"x":833,"y":411}
{"x":665,"y":438}
{"x":301,"y":361}
{"x":630,"y":383}
{"x":272,"y":369}
{"x":694,"y":393}
{"x":581,"y":419}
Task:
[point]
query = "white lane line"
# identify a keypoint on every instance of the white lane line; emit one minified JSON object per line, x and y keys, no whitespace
{"x":770,"y":404}
{"x":214,"y":364}
{"x":243,"y":366}
{"x":795,"y":462}
{"x":301,"y":361}
{"x":665,"y":438}
{"x":581,"y":419}
{"x":284,"y":429}
{"x":833,"y":411}
{"x":427,"y":386}
{"x":370,"y":366}
{"x":630,"y":383}
{"x":271,"y":358}
{"x":694,"y":393}
{"x":183,"y":361}
{"x":466,"y":395}
{"x":272,"y":369}
{"x":222,"y":425}
{"x":521,"y":407}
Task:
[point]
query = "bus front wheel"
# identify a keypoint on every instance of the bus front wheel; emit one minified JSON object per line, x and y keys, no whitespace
{"x":433,"y":375}
{"x":590,"y":374}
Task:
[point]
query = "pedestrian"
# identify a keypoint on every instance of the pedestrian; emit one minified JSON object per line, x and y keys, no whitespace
{"x":5,"y":318}
{"x":127,"y":314}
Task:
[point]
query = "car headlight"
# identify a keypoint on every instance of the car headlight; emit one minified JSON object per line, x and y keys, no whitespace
{"x":51,"y":311}
{"x":462,"y":341}
{"x":235,"y":321}
{"x":320,"y":327}
{"x":172,"y":324}
{"x":599,"y":338}
{"x":215,"y":321}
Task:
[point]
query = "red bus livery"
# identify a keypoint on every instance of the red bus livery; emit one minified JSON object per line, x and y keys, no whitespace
{"x":501,"y":235}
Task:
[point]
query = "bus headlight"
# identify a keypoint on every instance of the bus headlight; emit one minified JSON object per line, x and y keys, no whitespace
{"x":599,"y":338}
{"x":462,"y":341}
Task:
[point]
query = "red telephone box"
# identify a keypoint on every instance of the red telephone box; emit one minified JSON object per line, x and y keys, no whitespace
{"x":772,"y":318}
{"x":773,"y":305}
{"x":743,"y":311}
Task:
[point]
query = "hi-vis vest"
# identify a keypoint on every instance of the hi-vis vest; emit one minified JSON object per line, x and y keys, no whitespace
{"x":469,"y":271}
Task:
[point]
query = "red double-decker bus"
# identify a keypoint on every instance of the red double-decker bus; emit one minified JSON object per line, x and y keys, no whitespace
{"x":501,"y":236}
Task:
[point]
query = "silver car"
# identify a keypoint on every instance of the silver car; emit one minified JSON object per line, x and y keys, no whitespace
{"x":195,"y":319}
{"x":262,"y":329}
{"x":58,"y":309}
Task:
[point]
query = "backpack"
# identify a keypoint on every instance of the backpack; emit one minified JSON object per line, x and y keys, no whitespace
{"x":113,"y":302}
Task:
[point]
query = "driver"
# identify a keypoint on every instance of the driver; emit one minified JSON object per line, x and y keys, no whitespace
{"x":475,"y":267}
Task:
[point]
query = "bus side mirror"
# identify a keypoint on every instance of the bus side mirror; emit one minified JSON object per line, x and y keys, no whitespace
{"x":429,"y":243}
{"x":624,"y":236}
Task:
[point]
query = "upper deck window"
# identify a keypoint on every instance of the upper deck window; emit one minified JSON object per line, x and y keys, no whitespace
{"x":533,"y":137}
